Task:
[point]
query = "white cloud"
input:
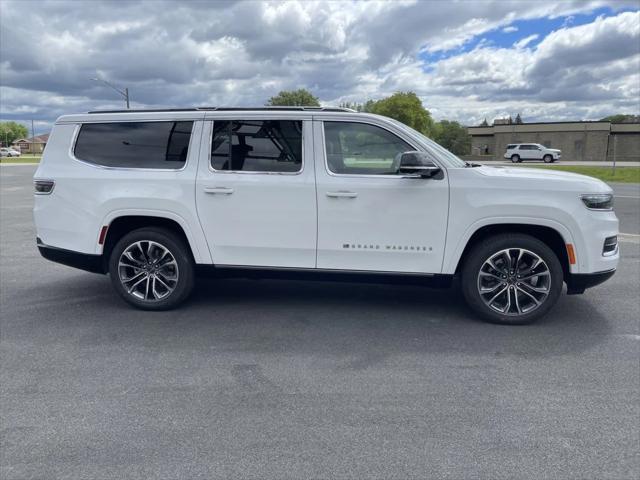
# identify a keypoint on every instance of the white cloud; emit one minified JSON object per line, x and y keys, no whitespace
{"x":241,"y":53}
{"x":526,"y":41}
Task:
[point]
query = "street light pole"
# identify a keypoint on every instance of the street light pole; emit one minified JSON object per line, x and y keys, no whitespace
{"x":124,"y":93}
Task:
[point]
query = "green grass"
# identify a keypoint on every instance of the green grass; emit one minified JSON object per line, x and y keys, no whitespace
{"x":21,"y":159}
{"x":622,"y":174}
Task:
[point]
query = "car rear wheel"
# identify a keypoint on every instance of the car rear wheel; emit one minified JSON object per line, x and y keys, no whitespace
{"x":512,"y":279}
{"x":548,"y":159}
{"x":515,"y":158}
{"x":152,"y":269}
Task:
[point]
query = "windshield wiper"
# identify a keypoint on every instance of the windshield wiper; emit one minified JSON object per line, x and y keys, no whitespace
{"x":471,"y":165}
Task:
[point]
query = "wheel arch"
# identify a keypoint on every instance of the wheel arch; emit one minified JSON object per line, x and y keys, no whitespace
{"x":125,"y":222}
{"x":551,"y":236}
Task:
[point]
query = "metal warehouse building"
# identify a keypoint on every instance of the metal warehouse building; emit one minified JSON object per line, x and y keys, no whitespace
{"x":582,"y":141}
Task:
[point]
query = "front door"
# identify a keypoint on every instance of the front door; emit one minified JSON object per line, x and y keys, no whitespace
{"x":255,"y":192}
{"x":369,"y":216}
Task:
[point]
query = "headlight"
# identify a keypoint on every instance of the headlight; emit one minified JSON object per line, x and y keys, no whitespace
{"x":598,"y":201}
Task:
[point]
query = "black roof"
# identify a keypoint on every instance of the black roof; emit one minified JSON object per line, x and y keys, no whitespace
{"x":228,"y":109}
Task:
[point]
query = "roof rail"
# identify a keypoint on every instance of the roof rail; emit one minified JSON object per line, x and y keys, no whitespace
{"x":230,"y":109}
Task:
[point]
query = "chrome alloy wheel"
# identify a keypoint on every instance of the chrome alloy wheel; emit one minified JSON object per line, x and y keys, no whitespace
{"x":148,"y":270}
{"x":514,"y":281}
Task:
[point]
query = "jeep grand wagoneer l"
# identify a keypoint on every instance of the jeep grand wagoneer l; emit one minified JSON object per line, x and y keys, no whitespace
{"x":150,"y":197}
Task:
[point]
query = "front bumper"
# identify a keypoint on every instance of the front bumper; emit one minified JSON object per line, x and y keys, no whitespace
{"x":577,"y":283}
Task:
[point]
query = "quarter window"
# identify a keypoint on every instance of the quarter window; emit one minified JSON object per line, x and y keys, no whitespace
{"x":362,"y":149}
{"x":257,"y":146}
{"x":134,"y":144}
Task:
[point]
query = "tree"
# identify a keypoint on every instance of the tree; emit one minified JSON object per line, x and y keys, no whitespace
{"x":405,"y":107}
{"x":294,"y":98}
{"x":12,"y":131}
{"x":621,"y":118}
{"x":453,"y":136}
{"x":518,"y":119}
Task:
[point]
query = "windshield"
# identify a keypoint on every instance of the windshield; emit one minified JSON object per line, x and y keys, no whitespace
{"x":441,"y":153}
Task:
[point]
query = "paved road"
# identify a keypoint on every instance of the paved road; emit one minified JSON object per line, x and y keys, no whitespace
{"x":275,"y":379}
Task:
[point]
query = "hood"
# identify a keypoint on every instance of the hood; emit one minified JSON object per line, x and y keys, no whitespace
{"x":548,"y":178}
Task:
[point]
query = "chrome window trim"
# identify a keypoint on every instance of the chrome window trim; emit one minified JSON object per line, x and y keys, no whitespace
{"x":253,"y":172}
{"x":367,"y":175}
{"x":76,"y":132}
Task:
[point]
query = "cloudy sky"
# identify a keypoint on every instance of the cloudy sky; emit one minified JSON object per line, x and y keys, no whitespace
{"x":467,"y":60}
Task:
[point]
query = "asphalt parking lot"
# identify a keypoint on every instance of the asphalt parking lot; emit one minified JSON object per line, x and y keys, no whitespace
{"x":278,"y":379}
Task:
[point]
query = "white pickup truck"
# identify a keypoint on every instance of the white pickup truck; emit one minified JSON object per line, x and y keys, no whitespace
{"x":152,"y":197}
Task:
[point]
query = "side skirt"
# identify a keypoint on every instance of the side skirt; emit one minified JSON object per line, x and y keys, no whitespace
{"x":313,"y":274}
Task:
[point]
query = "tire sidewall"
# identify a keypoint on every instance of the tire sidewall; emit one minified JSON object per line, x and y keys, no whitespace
{"x":515,"y":158}
{"x":547,"y":159}
{"x":484,"y":250}
{"x":180,"y":252}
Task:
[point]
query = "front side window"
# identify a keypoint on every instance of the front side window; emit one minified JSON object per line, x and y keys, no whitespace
{"x":273,"y":146}
{"x":162,"y":145}
{"x":362,"y":149}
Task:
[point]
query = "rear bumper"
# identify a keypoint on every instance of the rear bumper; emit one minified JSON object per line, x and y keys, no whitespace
{"x":82,"y":261}
{"x":578,"y":282}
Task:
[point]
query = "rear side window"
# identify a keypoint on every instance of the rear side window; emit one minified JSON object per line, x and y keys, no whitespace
{"x":257,"y":146}
{"x":134,"y":144}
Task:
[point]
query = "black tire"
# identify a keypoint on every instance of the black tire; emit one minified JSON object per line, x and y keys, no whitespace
{"x":515,"y":158}
{"x":183,"y":268}
{"x":484,"y":250}
{"x":548,"y":159}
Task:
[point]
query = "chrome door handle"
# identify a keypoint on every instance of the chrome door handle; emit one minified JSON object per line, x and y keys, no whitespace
{"x":342,"y":194}
{"x":218,"y":190}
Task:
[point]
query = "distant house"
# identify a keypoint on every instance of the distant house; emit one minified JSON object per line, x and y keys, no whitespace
{"x":31,"y":145}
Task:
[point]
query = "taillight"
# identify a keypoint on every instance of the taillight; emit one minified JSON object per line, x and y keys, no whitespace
{"x":43,"y":187}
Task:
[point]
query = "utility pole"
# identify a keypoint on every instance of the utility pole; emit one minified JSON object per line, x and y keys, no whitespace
{"x":33,"y":138}
{"x":124,"y":93}
{"x":615,"y":152}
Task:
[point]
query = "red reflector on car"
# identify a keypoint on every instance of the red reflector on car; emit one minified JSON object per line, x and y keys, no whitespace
{"x":571,"y":253}
{"x":103,"y":235}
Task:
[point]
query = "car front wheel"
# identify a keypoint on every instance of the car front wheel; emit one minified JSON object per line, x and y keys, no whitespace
{"x":512,"y":279}
{"x":515,"y":158}
{"x":548,"y":159}
{"x":152,"y":269}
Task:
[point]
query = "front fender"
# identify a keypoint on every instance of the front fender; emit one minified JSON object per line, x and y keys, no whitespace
{"x":453,"y":253}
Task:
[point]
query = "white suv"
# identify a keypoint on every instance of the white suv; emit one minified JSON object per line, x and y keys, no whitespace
{"x":518,"y":152}
{"x":151,"y":197}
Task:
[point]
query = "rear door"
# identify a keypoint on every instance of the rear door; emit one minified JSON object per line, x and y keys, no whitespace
{"x":255,"y":191}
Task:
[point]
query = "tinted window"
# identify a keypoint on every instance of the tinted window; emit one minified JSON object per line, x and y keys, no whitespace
{"x":257,"y":145}
{"x":511,"y":147}
{"x":358,"y":148}
{"x":134,"y":144}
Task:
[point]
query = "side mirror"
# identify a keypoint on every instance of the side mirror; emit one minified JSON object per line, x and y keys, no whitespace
{"x":417,"y":165}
